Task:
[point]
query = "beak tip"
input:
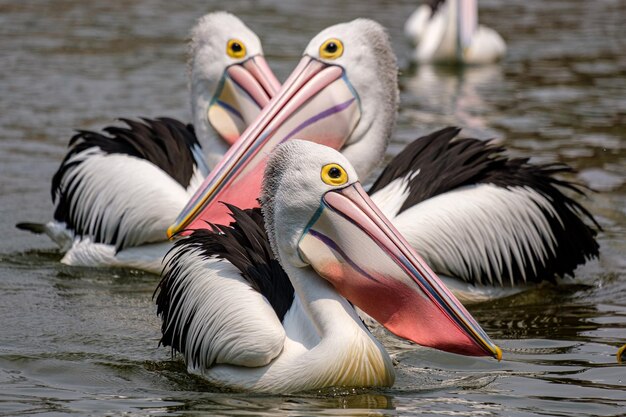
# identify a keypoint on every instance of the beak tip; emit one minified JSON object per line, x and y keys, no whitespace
{"x":171,"y":231}
{"x":620,"y":353}
{"x":498,"y":354}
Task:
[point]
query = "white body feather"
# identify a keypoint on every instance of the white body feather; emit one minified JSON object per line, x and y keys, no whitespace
{"x":149,"y":203}
{"x":148,"y":257}
{"x":244,"y":346}
{"x":416,"y":23}
{"x":460,"y":231}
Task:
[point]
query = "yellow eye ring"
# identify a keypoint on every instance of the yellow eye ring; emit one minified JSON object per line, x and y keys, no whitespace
{"x":333,"y":174}
{"x":331,"y":49}
{"x":235,"y":48}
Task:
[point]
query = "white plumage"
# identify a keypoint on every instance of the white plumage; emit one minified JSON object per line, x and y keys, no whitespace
{"x":457,"y":230}
{"x":448,"y":32}
{"x":478,"y":230}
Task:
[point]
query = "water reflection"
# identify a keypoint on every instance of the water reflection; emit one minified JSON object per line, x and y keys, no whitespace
{"x":551,"y":312}
{"x":352,"y":403}
{"x":454,"y":92}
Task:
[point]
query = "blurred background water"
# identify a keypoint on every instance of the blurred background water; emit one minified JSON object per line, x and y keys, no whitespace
{"x":85,"y":341}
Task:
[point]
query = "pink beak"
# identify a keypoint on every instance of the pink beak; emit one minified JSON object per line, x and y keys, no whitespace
{"x":351,"y":244}
{"x":317,"y":103}
{"x":244,"y":90}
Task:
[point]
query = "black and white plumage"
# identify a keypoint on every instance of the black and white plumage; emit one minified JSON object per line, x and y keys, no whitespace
{"x":265,"y":304}
{"x":116,"y":192}
{"x":482,"y":217}
{"x":100,"y":171}
{"x":242,"y":246}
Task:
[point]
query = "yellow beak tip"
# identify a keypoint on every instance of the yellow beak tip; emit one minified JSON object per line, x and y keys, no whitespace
{"x":498,"y":354}
{"x":620,"y":353}
{"x":171,"y":231}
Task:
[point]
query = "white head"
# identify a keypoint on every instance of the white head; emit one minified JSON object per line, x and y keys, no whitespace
{"x":209,"y":50}
{"x":222,"y":50}
{"x":297,"y":176}
{"x":362,"y":48}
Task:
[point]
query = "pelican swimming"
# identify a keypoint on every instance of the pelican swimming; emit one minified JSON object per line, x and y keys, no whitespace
{"x":116,"y":192}
{"x":487,"y":221}
{"x":447,"y":31}
{"x":243,"y":322}
{"x":491,"y":222}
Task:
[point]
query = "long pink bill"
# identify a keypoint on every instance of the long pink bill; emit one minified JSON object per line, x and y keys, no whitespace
{"x":351,"y":244}
{"x":244,"y":90}
{"x":317,"y":103}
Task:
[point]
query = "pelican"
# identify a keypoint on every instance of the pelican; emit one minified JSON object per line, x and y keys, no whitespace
{"x":447,"y":31}
{"x":489,"y":223}
{"x":116,"y":192}
{"x":244,"y":323}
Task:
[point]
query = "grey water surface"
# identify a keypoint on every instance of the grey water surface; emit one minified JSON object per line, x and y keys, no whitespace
{"x":85,"y":341}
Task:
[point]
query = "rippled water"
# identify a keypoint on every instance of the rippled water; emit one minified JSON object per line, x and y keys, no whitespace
{"x":85,"y":341}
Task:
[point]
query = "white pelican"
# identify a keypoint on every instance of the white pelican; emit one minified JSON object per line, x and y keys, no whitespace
{"x":447,"y":31}
{"x":488,"y":221}
{"x":116,"y":192}
{"x":244,"y":323}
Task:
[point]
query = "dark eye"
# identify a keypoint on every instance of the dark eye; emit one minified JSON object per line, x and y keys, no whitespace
{"x":334,"y":172}
{"x":331,"y":47}
{"x":236,"y":47}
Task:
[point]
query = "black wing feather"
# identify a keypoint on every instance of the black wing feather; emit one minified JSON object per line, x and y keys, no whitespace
{"x":164,"y":142}
{"x":446,"y":163}
{"x":244,"y":244}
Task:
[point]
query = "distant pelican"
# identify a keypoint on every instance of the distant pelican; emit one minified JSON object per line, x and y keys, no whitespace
{"x":243,"y":322}
{"x":447,"y":31}
{"x":116,"y":192}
